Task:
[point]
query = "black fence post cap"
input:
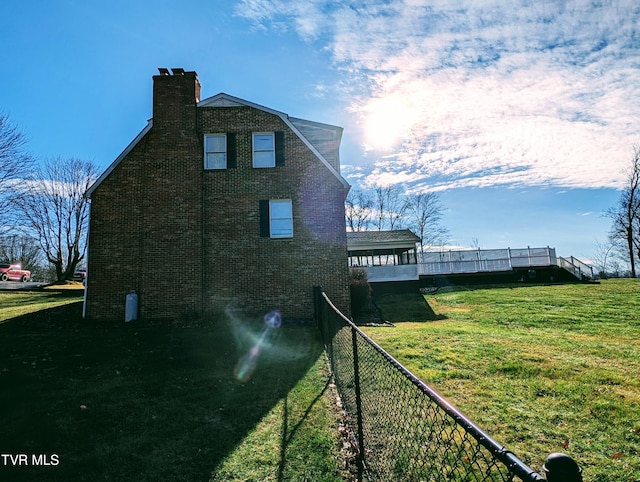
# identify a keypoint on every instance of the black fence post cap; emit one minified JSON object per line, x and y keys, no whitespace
{"x":561,"y":468}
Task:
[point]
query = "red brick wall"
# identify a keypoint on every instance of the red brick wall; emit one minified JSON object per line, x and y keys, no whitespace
{"x":188,"y":240}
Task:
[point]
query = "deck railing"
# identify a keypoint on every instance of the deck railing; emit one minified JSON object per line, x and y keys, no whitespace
{"x":577,"y":267}
{"x":495,"y":260}
{"x":484,"y":260}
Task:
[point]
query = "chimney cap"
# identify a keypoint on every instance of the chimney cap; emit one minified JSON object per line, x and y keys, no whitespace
{"x":163,"y":71}
{"x":177,"y":71}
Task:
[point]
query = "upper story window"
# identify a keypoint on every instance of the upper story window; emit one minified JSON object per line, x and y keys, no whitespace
{"x":220,"y":151}
{"x":215,"y":151}
{"x":264,"y":149}
{"x":268,"y":149}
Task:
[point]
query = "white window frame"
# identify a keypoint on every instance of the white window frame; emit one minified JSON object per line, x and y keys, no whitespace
{"x":281,"y":223}
{"x":215,"y":165}
{"x":272,"y":160}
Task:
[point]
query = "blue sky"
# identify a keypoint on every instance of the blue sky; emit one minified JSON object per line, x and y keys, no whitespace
{"x":522,"y":115}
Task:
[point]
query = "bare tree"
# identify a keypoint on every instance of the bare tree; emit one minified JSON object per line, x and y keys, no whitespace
{"x":390,"y":207}
{"x":626,"y":213}
{"x":55,"y":210}
{"x":636,"y":234}
{"x":25,"y":250}
{"x":603,"y":256}
{"x":425,"y":214}
{"x":14,"y":165}
{"x":20,"y":249}
{"x":358,"y":206}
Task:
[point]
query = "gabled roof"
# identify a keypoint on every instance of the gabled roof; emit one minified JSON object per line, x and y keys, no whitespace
{"x":398,"y":238}
{"x":296,"y":125}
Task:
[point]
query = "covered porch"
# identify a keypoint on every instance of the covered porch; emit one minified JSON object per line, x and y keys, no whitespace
{"x":384,"y":255}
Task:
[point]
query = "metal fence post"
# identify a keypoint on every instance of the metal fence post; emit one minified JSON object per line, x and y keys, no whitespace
{"x":561,"y":468}
{"x":318,"y":312}
{"x":356,"y":379}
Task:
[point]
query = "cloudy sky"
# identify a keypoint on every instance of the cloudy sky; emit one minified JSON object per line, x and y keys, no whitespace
{"x":521,"y":114}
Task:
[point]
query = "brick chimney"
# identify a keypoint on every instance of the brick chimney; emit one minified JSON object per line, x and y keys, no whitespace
{"x":175,"y":95}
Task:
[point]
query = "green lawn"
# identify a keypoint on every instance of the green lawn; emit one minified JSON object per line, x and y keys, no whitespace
{"x":541,"y":368}
{"x":135,"y":402}
{"x":16,"y":303}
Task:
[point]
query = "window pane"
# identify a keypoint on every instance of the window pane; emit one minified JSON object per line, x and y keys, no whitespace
{"x":280,"y":209}
{"x":264,"y":159}
{"x":216,"y":161}
{"x":281,"y":228}
{"x":215,"y":143}
{"x":263,"y":142}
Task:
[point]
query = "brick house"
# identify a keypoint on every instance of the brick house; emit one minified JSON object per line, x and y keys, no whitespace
{"x":218,"y":203}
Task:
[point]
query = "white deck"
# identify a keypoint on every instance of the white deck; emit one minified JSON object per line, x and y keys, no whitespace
{"x":474,"y":261}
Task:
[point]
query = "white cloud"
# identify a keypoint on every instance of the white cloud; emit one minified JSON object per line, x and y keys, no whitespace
{"x":456,"y":93}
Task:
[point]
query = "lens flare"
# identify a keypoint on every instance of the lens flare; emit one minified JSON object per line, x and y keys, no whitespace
{"x":248,"y":363}
{"x":273,"y":319}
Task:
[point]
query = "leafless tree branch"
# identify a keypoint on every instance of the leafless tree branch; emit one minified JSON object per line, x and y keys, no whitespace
{"x":55,"y":210}
{"x":358,"y":206}
{"x":15,"y":163}
{"x":626,"y":214}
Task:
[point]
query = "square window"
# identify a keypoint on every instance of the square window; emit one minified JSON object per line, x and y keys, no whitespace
{"x":264,"y":152}
{"x":215,"y":151}
{"x":281,"y":219}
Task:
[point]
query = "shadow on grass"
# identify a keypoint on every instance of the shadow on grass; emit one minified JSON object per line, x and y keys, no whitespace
{"x":135,"y":402}
{"x":399,"y":307}
{"x":289,"y":432}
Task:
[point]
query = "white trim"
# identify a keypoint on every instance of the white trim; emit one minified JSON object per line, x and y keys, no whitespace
{"x":317,"y":153}
{"x":320,"y":125}
{"x":86,"y":277}
{"x":388,"y":245}
{"x":122,"y":155}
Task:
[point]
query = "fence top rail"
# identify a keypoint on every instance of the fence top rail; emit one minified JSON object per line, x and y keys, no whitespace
{"x":508,"y":458}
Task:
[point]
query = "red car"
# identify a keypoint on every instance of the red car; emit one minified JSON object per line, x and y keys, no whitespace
{"x":14,"y":272}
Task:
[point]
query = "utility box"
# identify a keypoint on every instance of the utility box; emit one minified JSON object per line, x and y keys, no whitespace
{"x":131,"y":307}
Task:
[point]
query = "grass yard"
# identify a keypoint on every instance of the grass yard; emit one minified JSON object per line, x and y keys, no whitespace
{"x":16,"y":303}
{"x":541,"y":368}
{"x":136,"y":402}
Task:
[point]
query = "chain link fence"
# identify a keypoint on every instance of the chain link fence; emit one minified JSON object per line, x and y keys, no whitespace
{"x":402,"y":429}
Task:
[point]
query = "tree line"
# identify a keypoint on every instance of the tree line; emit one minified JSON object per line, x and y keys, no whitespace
{"x":43,"y":212}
